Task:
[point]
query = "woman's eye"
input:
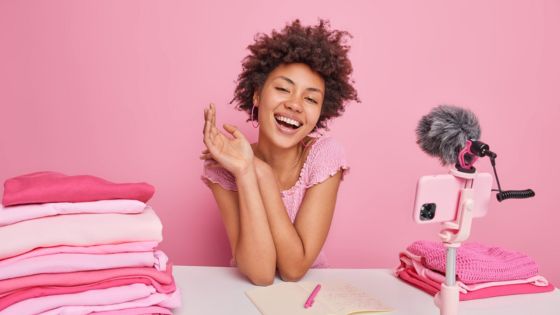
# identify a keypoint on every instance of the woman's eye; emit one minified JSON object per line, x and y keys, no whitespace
{"x":281,"y":89}
{"x":311,"y":100}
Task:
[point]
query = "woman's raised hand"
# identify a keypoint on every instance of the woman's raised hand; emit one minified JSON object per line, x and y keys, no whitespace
{"x":234,"y":154}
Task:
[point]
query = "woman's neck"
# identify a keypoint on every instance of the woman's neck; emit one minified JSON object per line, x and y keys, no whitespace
{"x":286,"y":163}
{"x":278,"y":158}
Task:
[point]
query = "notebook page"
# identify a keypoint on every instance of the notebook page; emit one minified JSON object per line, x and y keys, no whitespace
{"x":286,"y":298}
{"x":343,"y":298}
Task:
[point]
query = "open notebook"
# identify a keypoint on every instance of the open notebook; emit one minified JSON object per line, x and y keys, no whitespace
{"x":334,"y":298}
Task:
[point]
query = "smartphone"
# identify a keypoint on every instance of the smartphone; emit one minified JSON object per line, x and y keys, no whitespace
{"x":437,"y":197}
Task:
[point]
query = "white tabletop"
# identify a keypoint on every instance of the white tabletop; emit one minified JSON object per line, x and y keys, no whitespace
{"x":221,"y":290}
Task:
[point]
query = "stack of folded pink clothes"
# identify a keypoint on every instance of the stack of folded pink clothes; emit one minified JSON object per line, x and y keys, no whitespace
{"x":482,"y":271}
{"x":81,"y":245}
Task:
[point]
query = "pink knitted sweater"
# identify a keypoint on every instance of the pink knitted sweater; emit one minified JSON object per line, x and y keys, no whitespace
{"x":477,"y":263}
{"x":326,"y":157}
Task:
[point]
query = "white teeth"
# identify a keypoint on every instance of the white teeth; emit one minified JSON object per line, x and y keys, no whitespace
{"x":289,"y":121}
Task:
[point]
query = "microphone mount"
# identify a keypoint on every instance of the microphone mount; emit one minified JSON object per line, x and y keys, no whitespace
{"x":469,"y":155}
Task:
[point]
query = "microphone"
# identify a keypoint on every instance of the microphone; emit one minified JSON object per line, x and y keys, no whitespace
{"x":451,"y":134}
{"x":444,"y":132}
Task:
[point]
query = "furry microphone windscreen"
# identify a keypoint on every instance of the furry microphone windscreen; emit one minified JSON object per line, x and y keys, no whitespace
{"x":444,"y":131}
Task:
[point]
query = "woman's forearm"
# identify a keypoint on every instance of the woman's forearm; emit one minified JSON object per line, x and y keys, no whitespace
{"x":255,"y":251}
{"x":290,"y":250}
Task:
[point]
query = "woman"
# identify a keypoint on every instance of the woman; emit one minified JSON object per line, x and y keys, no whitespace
{"x":277,"y":196}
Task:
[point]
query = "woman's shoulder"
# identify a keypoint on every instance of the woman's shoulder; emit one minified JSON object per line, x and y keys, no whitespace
{"x":326,"y":158}
{"x":325,"y":147}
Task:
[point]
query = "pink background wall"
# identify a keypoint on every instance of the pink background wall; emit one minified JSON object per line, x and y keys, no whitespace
{"x":116,"y":89}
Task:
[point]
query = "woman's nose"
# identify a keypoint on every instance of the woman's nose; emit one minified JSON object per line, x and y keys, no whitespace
{"x":294,"y":105}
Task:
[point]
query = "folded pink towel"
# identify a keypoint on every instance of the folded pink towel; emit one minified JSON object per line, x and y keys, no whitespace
{"x":410,"y":276}
{"x":477,"y":263}
{"x":130,"y":247}
{"x":75,"y":282}
{"x":61,"y":263}
{"x":79,"y":230}
{"x":109,"y":299}
{"x":168,"y":301}
{"x":137,"y":311}
{"x":15,"y":214}
{"x":25,"y":295}
{"x":409,"y":260}
{"x":79,"y":278}
{"x":43,"y":187}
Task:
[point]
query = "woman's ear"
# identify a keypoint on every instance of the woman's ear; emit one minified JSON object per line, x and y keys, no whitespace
{"x":256,"y":98}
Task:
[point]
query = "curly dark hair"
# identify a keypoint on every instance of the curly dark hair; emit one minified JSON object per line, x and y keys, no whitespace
{"x":322,"y":49}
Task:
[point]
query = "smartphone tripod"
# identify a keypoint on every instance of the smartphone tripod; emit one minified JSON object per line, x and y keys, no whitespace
{"x":452,"y":235}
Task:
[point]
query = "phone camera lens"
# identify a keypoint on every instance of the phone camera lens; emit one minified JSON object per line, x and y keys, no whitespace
{"x":427,"y":211}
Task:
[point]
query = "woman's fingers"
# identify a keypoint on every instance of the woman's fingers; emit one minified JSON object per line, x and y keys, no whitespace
{"x":206,"y":155}
{"x":212,"y":164}
{"x":213,"y":137}
{"x":210,"y":130}
{"x":205,"y":121}
{"x":207,"y":124}
{"x":234,"y":131}
{"x":213,"y":115}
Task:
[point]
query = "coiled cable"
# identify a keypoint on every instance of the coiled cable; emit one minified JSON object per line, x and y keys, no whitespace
{"x":509,"y":194}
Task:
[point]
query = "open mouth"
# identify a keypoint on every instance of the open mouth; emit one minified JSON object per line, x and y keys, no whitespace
{"x":287,"y":122}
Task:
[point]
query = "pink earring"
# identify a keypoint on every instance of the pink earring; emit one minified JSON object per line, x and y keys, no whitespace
{"x":252,"y":118}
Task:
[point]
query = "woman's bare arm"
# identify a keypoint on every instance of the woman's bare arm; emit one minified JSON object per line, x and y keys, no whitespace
{"x":298,"y":244}
{"x":243,"y":212}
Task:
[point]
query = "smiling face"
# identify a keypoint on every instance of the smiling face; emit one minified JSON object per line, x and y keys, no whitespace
{"x":289,"y":104}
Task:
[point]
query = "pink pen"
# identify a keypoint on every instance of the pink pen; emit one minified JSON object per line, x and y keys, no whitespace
{"x":312,"y":296}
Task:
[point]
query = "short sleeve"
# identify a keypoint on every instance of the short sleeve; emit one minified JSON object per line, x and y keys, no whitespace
{"x":218,"y":175}
{"x":326,"y":158}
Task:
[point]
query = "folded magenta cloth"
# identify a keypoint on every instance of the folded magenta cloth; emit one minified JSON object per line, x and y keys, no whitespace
{"x":14,"y":214}
{"x":106,"y":296}
{"x":43,"y":187}
{"x":79,"y":230}
{"x":477,"y":263}
{"x":127,"y":296}
{"x":75,"y":282}
{"x":24,"y":295}
{"x":432,"y":287}
{"x":59,"y":263}
{"x":70,"y":279}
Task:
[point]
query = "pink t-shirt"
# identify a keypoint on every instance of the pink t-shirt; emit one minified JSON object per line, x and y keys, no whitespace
{"x":326,"y":157}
